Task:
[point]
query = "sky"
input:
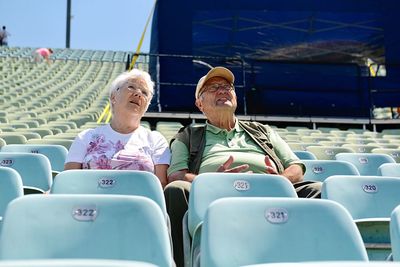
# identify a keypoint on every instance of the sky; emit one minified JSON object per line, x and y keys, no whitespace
{"x":96,"y":24}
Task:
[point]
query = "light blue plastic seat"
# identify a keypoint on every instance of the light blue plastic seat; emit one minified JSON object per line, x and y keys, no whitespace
{"x":77,"y":226}
{"x":327,"y":152}
{"x":2,"y":142}
{"x":55,"y":153}
{"x":329,"y":264}
{"x":370,"y":200}
{"x":304,"y":154}
{"x":74,"y":263}
{"x":319,"y":170}
{"x":395,"y":233}
{"x":121,"y":182}
{"x":366,"y":163}
{"x":247,"y":231}
{"x":393,"y":152}
{"x":389,"y":169}
{"x":63,"y":142}
{"x":13,"y":138}
{"x":35,"y":169}
{"x":208,"y":187}
{"x":10,"y":187}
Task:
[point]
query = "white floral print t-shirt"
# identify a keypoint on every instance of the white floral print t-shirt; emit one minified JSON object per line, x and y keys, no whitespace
{"x":104,"y":148}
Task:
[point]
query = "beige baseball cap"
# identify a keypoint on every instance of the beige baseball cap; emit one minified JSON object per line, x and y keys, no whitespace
{"x":214,"y":72}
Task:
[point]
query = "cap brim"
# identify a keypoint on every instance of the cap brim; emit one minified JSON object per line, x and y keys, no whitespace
{"x":215,"y":72}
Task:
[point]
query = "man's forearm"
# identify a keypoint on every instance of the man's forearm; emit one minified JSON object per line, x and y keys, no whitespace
{"x":183,"y":175}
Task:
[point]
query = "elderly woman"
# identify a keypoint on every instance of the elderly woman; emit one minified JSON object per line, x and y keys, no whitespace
{"x":123,"y":144}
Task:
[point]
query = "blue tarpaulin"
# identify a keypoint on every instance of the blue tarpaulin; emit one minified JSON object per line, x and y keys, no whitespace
{"x":293,"y":57}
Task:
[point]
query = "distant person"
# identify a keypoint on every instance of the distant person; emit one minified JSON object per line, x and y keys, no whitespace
{"x":43,"y":53}
{"x":123,"y":144}
{"x":3,"y":36}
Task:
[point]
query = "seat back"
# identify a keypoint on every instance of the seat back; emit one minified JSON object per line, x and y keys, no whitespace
{"x":85,"y":227}
{"x":55,"y":153}
{"x":208,"y":187}
{"x":304,"y":154}
{"x":389,"y":169}
{"x":13,"y":138}
{"x":370,"y":200}
{"x":327,"y":152}
{"x":246,"y":231}
{"x":63,"y":142}
{"x":363,"y":196}
{"x":74,"y":263}
{"x":394,"y":153}
{"x":395,"y":233}
{"x":366,"y":163}
{"x":319,"y":170}
{"x":35,"y":169}
{"x":121,"y":182}
{"x":2,"y":142}
{"x":10,"y":187}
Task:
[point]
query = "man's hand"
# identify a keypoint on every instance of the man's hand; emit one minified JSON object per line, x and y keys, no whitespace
{"x":225,"y":166}
{"x":268,"y":164}
{"x":294,"y":173}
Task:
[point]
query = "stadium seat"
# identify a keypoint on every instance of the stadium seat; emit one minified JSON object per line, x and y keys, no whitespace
{"x":13,"y":138}
{"x":10,"y":187}
{"x":121,"y":182}
{"x":395,"y":233}
{"x":389,"y":169}
{"x":55,"y":153}
{"x":35,"y":169}
{"x":359,"y":140}
{"x":314,"y":139}
{"x":394,"y":153}
{"x":319,"y":170}
{"x":2,"y":142}
{"x":63,"y":142}
{"x":341,"y":133}
{"x":327,"y":152}
{"x":247,"y":231}
{"x":391,"y":132}
{"x":329,"y":264}
{"x":74,"y":263}
{"x":28,"y":133}
{"x":111,"y":227}
{"x":358,"y":148}
{"x":304,"y":154}
{"x":41,"y":131}
{"x":332,"y":143}
{"x":68,"y":136}
{"x":366,"y":163}
{"x":208,"y":187}
{"x":300,"y":146}
{"x":370,"y":200}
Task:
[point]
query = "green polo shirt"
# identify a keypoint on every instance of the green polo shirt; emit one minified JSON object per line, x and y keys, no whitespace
{"x":220,"y":144}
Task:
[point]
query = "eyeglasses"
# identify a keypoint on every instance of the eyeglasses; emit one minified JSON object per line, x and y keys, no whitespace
{"x":137,"y":90}
{"x":215,"y":87}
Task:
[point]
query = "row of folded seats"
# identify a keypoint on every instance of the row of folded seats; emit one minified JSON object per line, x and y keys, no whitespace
{"x":39,"y":163}
{"x":232,"y":220}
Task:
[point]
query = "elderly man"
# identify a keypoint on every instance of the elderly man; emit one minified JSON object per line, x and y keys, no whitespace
{"x":225,"y":144}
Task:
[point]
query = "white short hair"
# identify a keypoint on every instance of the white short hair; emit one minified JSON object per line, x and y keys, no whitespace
{"x":132,"y":75}
{"x":129,"y":75}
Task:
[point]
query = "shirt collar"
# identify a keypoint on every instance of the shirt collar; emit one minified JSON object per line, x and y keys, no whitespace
{"x":217,"y":130}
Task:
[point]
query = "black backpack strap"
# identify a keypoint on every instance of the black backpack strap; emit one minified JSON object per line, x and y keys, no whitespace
{"x":194,"y":139}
